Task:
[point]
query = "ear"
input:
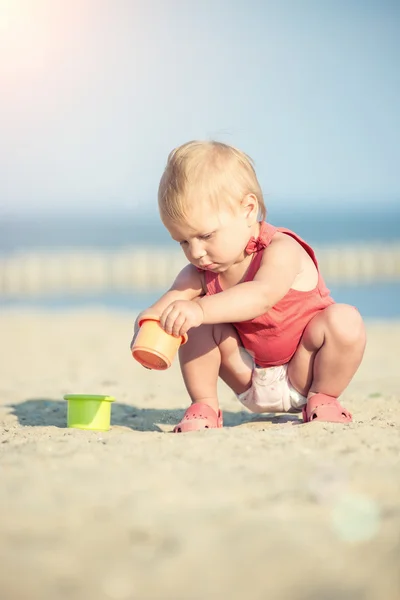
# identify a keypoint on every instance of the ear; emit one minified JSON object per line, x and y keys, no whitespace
{"x":250,"y":208}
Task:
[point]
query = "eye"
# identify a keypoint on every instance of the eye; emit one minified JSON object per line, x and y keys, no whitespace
{"x":206,"y":236}
{"x":183,"y":243}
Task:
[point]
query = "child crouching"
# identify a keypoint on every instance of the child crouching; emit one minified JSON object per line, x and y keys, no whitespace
{"x":252,"y":300}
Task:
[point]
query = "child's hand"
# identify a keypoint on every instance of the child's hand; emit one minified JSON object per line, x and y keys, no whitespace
{"x":180,"y":316}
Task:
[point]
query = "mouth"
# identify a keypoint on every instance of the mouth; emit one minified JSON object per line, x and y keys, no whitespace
{"x":209,"y":267}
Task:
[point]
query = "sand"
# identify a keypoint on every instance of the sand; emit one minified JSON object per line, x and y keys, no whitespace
{"x":265,"y":508}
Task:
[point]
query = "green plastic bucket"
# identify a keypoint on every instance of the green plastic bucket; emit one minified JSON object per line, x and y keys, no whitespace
{"x":89,"y":411}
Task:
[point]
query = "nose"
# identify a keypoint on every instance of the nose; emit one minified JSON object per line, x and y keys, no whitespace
{"x":196,"y":250}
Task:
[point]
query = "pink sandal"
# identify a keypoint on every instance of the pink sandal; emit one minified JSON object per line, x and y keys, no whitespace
{"x":199,"y":416}
{"x":322,"y":407}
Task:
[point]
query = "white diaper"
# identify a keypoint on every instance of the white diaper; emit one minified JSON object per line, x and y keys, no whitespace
{"x":272,"y":392}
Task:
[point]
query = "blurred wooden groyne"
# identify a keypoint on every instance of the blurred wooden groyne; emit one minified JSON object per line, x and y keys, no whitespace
{"x":80,"y":271}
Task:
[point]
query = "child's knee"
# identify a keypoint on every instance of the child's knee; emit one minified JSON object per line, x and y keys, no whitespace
{"x":346,"y":324}
{"x":225,"y":333}
{"x":200,"y":341}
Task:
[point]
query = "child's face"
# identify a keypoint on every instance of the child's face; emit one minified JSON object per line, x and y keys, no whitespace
{"x":213,"y":240}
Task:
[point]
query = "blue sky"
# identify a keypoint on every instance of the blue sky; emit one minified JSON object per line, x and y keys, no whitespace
{"x":95,"y":93}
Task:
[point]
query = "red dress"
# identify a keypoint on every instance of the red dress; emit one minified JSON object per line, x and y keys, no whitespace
{"x":273,"y":338}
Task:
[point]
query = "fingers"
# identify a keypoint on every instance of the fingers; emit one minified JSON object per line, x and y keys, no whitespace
{"x":180,"y":316}
{"x":173,"y":321}
{"x":164,"y":316}
{"x":180,"y":326}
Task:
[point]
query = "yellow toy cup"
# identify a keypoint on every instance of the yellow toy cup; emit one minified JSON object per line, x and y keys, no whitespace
{"x":153,"y":347}
{"x":86,"y":411}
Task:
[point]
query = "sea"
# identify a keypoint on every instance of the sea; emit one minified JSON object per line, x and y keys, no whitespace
{"x":113,"y":230}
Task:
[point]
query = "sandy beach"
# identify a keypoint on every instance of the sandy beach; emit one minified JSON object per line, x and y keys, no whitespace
{"x":265,"y":508}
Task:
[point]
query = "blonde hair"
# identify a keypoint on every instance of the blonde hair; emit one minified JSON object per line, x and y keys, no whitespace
{"x":210,"y":171}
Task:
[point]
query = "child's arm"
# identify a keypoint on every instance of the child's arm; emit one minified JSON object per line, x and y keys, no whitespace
{"x":188,"y":285}
{"x":280,"y":265}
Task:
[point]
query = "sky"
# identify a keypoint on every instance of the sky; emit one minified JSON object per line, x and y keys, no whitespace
{"x":95,"y":93}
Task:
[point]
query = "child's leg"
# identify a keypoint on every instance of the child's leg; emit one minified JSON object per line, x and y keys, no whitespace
{"x":329,"y":353}
{"x":212,"y":351}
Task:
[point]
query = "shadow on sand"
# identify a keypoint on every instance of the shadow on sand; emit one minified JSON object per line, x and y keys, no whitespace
{"x":42,"y":412}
